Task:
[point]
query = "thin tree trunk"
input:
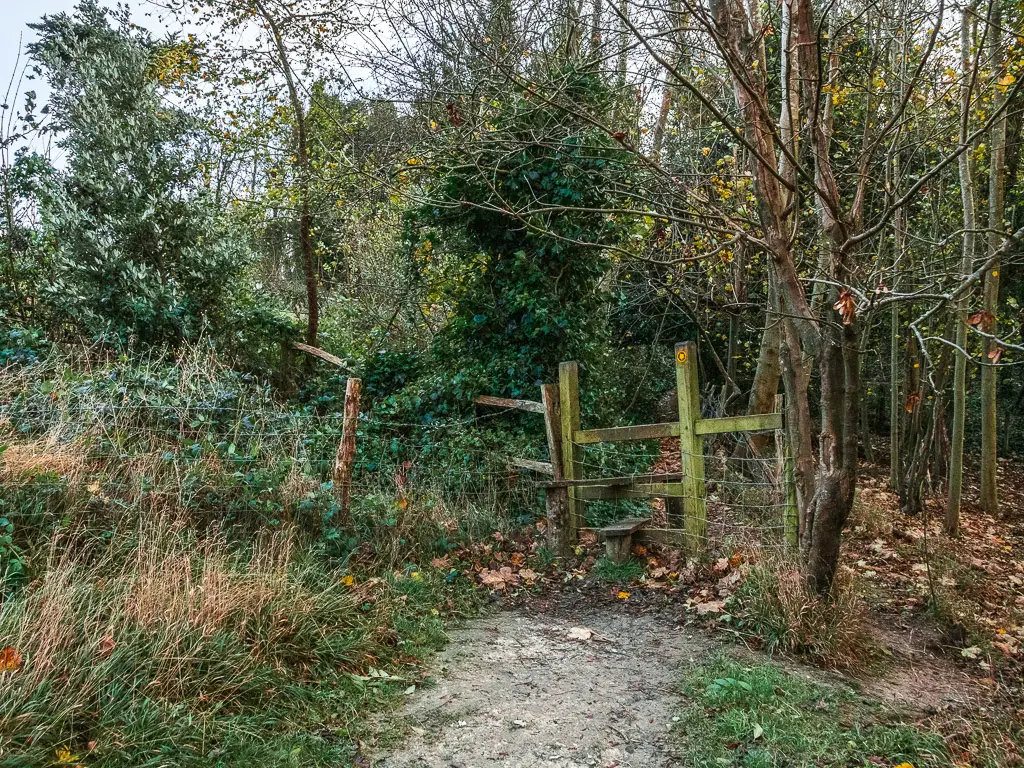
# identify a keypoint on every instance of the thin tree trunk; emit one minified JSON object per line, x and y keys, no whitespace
{"x":769,"y":368}
{"x":596,"y":11}
{"x":956,"y":452}
{"x":308,"y":257}
{"x":989,"y":373}
{"x":895,"y":403}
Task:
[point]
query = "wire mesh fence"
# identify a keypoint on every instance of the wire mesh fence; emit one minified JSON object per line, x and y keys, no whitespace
{"x":238,"y":455}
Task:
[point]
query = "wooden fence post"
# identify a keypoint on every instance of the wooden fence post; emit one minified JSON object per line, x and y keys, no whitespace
{"x":691,"y":446}
{"x":346,"y":455}
{"x":787,"y":483}
{"x":572,"y":460}
{"x":556,"y":500}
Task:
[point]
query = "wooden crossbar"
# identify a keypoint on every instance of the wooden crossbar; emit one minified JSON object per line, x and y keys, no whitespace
{"x":757,"y":422}
{"x":632,"y":491}
{"x":586,"y":482}
{"x":624,"y":434}
{"x":530,"y":406}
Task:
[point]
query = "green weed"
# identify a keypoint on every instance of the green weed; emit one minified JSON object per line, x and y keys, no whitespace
{"x":761,"y":717}
{"x":618,"y":573}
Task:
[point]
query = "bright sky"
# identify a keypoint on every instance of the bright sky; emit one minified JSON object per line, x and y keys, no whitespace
{"x":16,"y":14}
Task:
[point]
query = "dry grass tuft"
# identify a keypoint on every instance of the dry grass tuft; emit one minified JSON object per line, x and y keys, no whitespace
{"x":68,"y":459}
{"x":775,"y":600}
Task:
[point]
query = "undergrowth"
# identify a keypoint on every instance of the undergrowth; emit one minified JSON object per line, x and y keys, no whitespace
{"x":179,"y":585}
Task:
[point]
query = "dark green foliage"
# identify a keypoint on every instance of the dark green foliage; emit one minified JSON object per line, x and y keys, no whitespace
{"x":514,"y":237}
{"x":137,"y":247}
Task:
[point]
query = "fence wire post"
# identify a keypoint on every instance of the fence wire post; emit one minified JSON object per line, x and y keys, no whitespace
{"x":691,"y":446}
{"x":556,"y":500}
{"x":572,"y":460}
{"x":346,"y":455}
{"x":787,"y":483}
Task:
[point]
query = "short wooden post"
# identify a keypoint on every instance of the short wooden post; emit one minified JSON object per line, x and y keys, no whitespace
{"x":787,"y":482}
{"x":572,"y":458}
{"x":345,"y":458}
{"x":556,"y":500}
{"x":691,"y":446}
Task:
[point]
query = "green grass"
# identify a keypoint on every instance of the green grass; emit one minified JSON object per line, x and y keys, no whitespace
{"x":180,"y":650}
{"x":618,"y":573}
{"x":761,"y":717}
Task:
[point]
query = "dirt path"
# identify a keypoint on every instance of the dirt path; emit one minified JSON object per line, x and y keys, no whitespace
{"x":521,"y":691}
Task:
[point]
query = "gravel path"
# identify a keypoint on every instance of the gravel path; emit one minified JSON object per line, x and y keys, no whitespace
{"x":525,"y":691}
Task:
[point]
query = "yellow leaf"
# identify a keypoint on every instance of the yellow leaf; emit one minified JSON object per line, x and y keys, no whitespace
{"x":64,"y":756}
{"x":348,"y":581}
{"x":623,"y":595}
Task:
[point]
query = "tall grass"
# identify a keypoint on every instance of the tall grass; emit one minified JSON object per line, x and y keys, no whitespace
{"x":186,"y":593}
{"x":170,"y":648}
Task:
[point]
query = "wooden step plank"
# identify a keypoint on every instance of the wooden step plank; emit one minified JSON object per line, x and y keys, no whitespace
{"x":543,"y":467}
{"x":623,"y":527}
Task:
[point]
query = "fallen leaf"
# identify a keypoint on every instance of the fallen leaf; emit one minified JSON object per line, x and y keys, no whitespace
{"x":107,"y":645}
{"x":528,"y":574}
{"x":581,"y":633}
{"x":623,"y":595}
{"x":710,"y":606}
{"x":981,"y":319}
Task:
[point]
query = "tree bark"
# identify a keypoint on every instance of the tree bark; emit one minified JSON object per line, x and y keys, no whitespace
{"x":997,"y":168}
{"x":956,"y":457}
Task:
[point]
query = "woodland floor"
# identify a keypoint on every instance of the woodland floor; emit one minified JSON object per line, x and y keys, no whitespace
{"x":570,"y":685}
{"x":571,"y":675}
